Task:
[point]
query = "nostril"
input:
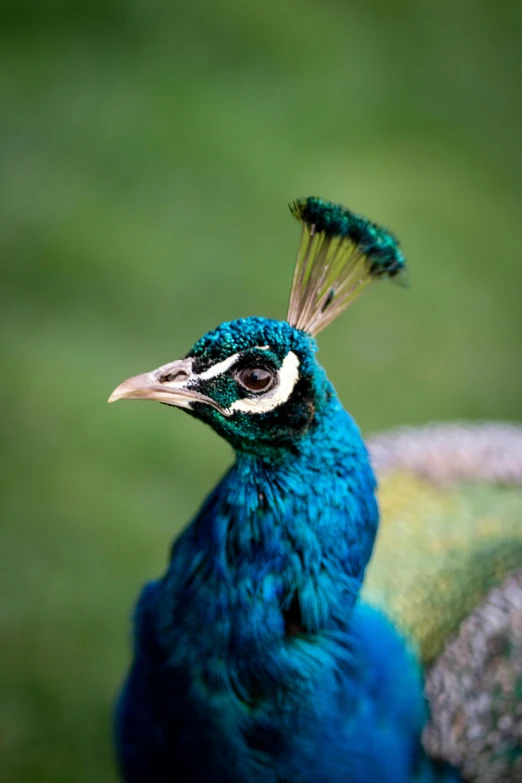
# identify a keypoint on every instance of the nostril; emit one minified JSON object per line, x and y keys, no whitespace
{"x":174,"y":377}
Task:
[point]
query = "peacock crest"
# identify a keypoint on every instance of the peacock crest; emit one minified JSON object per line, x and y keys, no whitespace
{"x":340,"y":254}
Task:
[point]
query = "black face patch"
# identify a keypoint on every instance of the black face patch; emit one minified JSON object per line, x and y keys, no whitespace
{"x":226,"y":387}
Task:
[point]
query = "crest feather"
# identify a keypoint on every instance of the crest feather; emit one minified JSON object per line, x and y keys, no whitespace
{"x":340,"y":254}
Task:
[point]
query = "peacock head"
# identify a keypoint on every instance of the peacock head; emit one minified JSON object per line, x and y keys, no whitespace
{"x":256,"y":381}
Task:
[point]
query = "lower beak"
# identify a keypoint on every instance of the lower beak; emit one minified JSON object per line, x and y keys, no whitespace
{"x":167,"y":384}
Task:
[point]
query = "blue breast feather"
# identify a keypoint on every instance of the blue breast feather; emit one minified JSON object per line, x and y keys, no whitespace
{"x":254,"y":660}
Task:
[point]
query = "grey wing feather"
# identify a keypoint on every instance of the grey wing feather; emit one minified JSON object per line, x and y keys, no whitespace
{"x":475,"y":691}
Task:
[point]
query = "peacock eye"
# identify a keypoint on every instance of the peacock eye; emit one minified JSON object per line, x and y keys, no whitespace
{"x":255,"y":379}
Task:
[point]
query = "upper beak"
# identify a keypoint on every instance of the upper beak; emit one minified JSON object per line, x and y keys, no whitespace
{"x":170,"y":383}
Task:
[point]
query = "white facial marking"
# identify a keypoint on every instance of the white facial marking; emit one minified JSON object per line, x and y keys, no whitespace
{"x":226,"y":364}
{"x":288,"y":376}
{"x":219,"y":368}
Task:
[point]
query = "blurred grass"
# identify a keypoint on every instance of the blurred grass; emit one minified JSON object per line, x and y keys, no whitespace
{"x":148,"y":151}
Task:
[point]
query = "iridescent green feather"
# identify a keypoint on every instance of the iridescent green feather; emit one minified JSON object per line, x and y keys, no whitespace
{"x":439,"y":550}
{"x":451,"y":524}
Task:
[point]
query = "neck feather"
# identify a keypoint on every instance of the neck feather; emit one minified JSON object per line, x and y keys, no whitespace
{"x":292,"y":537}
{"x":274,"y":559}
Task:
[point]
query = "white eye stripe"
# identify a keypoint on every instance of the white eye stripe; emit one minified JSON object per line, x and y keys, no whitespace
{"x":288,"y":377}
{"x":219,"y":368}
{"x":226,"y":364}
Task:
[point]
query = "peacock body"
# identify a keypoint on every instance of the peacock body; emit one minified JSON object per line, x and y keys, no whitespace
{"x":447,"y":568}
{"x":256,"y":657}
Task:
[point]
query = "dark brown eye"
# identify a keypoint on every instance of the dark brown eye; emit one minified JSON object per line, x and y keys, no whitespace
{"x":255,"y":379}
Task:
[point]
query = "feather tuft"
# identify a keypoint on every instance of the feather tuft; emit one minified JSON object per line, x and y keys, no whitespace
{"x":340,"y":254}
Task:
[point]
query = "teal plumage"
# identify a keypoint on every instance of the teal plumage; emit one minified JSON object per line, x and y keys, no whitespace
{"x":255,"y":659}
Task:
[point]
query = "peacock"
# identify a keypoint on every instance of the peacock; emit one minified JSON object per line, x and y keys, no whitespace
{"x":292,"y":639}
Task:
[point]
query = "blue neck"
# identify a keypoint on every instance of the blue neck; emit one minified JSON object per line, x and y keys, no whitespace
{"x":307,"y":521}
{"x":277,"y":551}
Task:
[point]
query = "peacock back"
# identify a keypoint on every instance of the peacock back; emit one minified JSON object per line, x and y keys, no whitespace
{"x":447,"y":568}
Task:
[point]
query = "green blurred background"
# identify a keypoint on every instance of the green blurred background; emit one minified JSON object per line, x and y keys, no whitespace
{"x":148,"y":152}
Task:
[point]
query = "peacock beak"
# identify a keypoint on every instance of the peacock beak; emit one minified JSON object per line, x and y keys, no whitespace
{"x":173,"y":384}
